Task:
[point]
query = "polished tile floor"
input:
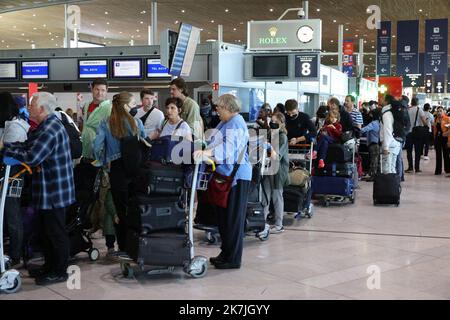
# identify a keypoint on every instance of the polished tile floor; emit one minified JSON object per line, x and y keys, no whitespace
{"x":350,"y":252}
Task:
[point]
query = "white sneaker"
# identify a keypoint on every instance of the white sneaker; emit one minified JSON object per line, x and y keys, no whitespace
{"x":426,"y":158}
{"x":264,"y":232}
{"x":276,"y":229}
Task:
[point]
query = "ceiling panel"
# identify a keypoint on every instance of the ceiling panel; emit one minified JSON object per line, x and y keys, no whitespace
{"x":116,"y":22}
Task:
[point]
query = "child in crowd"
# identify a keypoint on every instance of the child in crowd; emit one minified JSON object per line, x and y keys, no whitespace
{"x":330,"y":133}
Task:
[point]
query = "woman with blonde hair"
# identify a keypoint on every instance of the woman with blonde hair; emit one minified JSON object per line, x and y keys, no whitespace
{"x":107,"y":151}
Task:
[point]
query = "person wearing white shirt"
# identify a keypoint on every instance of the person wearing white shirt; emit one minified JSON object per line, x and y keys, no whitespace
{"x":430,"y":121}
{"x":151,"y":117}
{"x":390,"y":146}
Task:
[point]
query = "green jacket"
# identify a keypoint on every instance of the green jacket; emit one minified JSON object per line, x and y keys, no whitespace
{"x":281,"y":178}
{"x":191,"y":114}
{"x":91,"y":124}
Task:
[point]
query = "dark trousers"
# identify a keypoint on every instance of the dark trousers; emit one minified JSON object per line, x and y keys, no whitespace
{"x":417,"y":143}
{"x":322,"y":146}
{"x":427,"y":142}
{"x":120,"y":185}
{"x":14,"y":225}
{"x":232,"y":222}
{"x":442,"y":151}
{"x":55,"y":240}
{"x":374,"y":151}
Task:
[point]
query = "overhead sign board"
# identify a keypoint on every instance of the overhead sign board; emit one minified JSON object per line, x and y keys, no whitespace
{"x":285,"y":35}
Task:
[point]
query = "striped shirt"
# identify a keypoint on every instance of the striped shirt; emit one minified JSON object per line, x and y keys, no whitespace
{"x":48,"y":147}
{"x":357,"y":118}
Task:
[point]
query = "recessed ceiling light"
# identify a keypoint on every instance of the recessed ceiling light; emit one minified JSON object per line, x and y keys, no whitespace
{"x":334,"y":21}
{"x":3,"y":41}
{"x":332,"y":59}
{"x":420,"y":10}
{"x":183,"y":11}
{"x":53,"y":39}
{"x":318,"y":10}
{"x":44,"y":25}
{"x":107,"y":23}
{"x":332,"y":41}
{"x":271,"y":10}
{"x":142,"y":22}
{"x":176,"y":22}
{"x":49,"y":33}
{"x":373,"y":47}
{"x":106,"y":12}
{"x":234,"y":29}
{"x":120,"y":32}
{"x":35,"y":28}
{"x":23,"y":34}
{"x":226,"y":10}
{"x":393,"y":36}
{"x":201,"y":29}
{"x":34,"y":14}
{"x":1,"y":17}
{"x":137,"y":30}
{"x":107,"y":31}
{"x":241,"y":23}
{"x":92,"y":24}
{"x":212,"y":21}
{"x":132,"y":37}
{"x":143,"y":12}
{"x":7,"y":46}
{"x":28,"y":40}
{"x":56,"y":37}
{"x":346,"y":29}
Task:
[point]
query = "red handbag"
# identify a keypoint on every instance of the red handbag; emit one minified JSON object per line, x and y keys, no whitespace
{"x":219,"y":186}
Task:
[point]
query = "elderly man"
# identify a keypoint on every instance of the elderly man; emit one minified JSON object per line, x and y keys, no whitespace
{"x":48,"y":148}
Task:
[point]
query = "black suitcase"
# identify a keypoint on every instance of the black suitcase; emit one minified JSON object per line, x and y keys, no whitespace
{"x":345,"y":170}
{"x":160,"y":179}
{"x":151,"y":214}
{"x":255,"y":220}
{"x":294,"y":197}
{"x":170,"y":248}
{"x":387,"y":189}
{"x":339,"y":153}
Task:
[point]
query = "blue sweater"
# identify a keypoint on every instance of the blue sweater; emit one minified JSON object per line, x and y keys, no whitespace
{"x":372,"y":131}
{"x":227,"y":144}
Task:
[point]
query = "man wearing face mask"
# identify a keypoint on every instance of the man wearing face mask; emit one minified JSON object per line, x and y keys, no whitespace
{"x":300,"y":128}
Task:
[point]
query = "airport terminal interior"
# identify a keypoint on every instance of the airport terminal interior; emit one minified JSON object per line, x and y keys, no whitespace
{"x":223,"y":150}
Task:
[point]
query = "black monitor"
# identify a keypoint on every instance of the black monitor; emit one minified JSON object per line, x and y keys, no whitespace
{"x":126,"y":68}
{"x":270,"y":66}
{"x":8,"y":70}
{"x":35,"y":70}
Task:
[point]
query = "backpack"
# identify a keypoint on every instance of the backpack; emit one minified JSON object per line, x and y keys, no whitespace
{"x":402,"y":123}
{"x":76,"y":146}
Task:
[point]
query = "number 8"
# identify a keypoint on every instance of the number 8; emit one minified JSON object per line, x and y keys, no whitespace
{"x":306,"y":69}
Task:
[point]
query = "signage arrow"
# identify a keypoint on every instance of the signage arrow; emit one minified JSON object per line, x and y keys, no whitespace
{"x":413,"y":83}
{"x":436,"y":69}
{"x":383,"y":70}
{"x":406,"y":69}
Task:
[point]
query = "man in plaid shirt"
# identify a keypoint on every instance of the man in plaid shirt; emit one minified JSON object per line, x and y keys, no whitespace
{"x":53,"y":187}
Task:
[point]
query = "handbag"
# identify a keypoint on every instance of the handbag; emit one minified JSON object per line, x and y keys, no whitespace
{"x":298,"y":177}
{"x":219,"y":186}
{"x":135,"y":152}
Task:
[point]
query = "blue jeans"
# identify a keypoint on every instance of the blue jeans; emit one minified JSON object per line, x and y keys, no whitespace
{"x":322,"y":146}
{"x":399,"y":165}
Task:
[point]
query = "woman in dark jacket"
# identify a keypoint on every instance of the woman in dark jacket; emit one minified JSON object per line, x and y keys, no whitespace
{"x":278,"y":175}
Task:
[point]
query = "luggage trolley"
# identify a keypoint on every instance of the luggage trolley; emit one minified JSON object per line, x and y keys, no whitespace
{"x":350,"y":195}
{"x":10,"y":280}
{"x":298,"y":155}
{"x":255,"y":222}
{"x":195,"y":266}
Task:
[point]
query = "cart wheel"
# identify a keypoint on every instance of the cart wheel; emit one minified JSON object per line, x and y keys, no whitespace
{"x":212,"y":238}
{"x":8,"y":265}
{"x":94,"y":254}
{"x":15,"y":287}
{"x":199,"y":273}
{"x":127,"y":270}
{"x":264,"y":237}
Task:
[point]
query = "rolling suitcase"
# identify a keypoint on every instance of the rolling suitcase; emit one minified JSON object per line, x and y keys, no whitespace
{"x":169,"y":248}
{"x":254,"y":220}
{"x":148,"y":214}
{"x":335,"y":169}
{"x":160,"y":179}
{"x":294,"y":198}
{"x":386,"y":188}
{"x":337,"y":186}
{"x":339,"y":153}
